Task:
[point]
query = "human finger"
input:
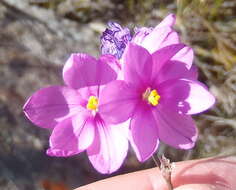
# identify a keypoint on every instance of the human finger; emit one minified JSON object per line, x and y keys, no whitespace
{"x":205,"y":174}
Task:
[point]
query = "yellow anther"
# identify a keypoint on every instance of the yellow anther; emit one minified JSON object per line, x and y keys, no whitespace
{"x":92,"y":103}
{"x":153,"y":97}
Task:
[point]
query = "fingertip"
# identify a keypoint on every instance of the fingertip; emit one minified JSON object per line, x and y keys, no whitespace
{"x":198,"y":187}
{"x":142,"y":180}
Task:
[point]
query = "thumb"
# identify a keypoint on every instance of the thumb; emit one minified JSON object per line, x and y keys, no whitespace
{"x":205,"y":174}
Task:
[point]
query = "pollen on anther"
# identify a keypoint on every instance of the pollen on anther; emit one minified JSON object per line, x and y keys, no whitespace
{"x":153,"y":98}
{"x":92,"y":103}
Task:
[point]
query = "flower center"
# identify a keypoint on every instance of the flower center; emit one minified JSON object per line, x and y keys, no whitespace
{"x":151,"y":96}
{"x":92,"y":103}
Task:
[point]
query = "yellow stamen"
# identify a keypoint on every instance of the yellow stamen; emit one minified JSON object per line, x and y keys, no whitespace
{"x":92,"y":103}
{"x":153,"y":98}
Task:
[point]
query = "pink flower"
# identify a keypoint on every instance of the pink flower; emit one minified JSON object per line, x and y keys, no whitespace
{"x":153,"y":39}
{"x":115,"y":39}
{"x":158,"y":95}
{"x":72,"y":113}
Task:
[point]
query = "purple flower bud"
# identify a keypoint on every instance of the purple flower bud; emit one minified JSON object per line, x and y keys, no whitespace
{"x":114,"y":39}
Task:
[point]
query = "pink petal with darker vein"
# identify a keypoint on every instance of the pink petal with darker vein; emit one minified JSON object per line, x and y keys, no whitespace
{"x":185,"y":96}
{"x":48,"y":106}
{"x":137,"y":65}
{"x":83,"y":70}
{"x":163,"y":55}
{"x":176,"y":70}
{"x":177,"y":130}
{"x":118,"y":101}
{"x":144,"y":132}
{"x":109,"y":148}
{"x":72,"y":136}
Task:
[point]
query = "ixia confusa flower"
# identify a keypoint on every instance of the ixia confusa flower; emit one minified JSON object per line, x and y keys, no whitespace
{"x":154,"y":101}
{"x":72,"y":113}
{"x":153,"y":39}
{"x":115,"y":39}
{"x":157,"y":95}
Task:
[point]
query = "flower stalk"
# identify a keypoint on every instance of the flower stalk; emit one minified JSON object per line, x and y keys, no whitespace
{"x":165,"y":167}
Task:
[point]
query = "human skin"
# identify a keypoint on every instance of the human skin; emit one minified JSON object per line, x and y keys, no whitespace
{"x":218,"y":173}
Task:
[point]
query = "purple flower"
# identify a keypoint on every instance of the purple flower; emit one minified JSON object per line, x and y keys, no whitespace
{"x":157,"y":97}
{"x":72,"y":113}
{"x":153,"y":39}
{"x":114,"y":40}
{"x":162,"y":35}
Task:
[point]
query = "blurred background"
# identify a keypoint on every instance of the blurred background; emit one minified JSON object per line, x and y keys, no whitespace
{"x":36,"y":38}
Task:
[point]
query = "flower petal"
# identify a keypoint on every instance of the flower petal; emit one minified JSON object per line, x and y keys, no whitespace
{"x":169,"y":20}
{"x":155,"y":38}
{"x":162,"y":35}
{"x":140,"y":34}
{"x":86,"y":92}
{"x":48,"y":106}
{"x":185,"y":55}
{"x":193,"y":75}
{"x":185,"y":96}
{"x":177,"y":130}
{"x":137,"y":64}
{"x":170,"y":39}
{"x":144,"y":133}
{"x":111,"y":61}
{"x":153,"y":41}
{"x":72,"y":136}
{"x":161,"y":56}
{"x":176,"y":70}
{"x":109,"y":148}
{"x":82,"y":70}
{"x":117,"y":101}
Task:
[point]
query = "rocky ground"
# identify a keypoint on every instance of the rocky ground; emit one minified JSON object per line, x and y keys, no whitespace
{"x":36,"y":37}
